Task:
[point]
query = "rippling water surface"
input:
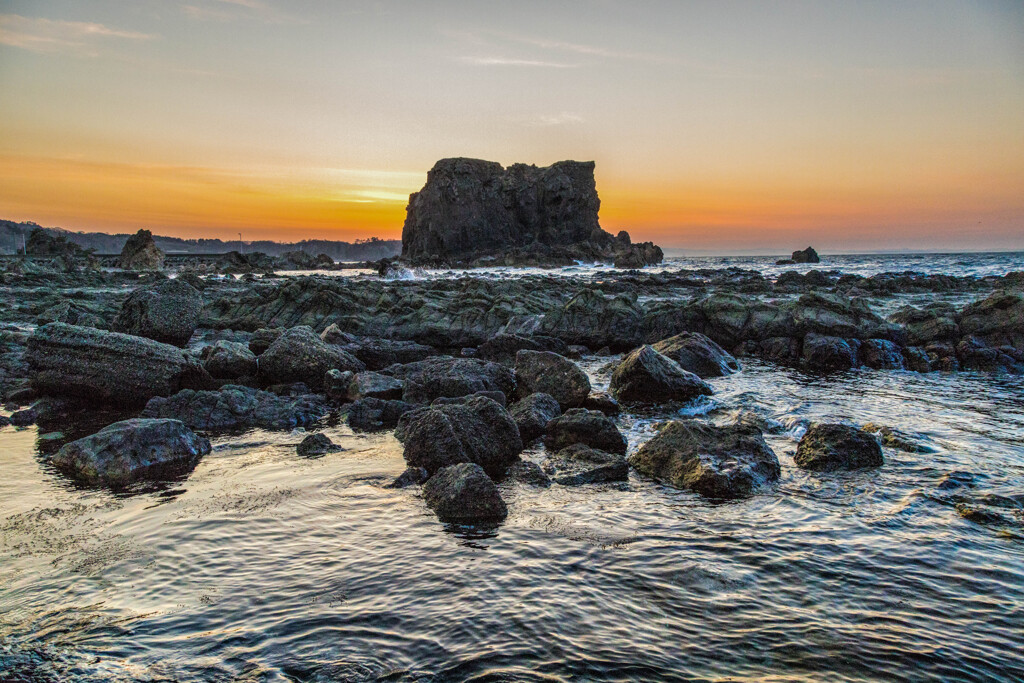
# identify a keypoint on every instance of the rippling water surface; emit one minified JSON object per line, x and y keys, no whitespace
{"x":261,"y":565}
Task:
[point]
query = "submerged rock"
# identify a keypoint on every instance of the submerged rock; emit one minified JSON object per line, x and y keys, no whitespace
{"x":698,"y":354}
{"x":107,"y":367}
{"x":549,"y":373}
{"x":717,"y":462}
{"x":236,"y":407}
{"x":588,"y":427}
{"x":141,"y":253}
{"x":167,"y":312}
{"x":827,"y":447}
{"x":316,"y":445}
{"x":463,"y":493}
{"x":580,"y":464}
{"x":299,"y":355}
{"x":646,"y":376}
{"x":478,"y":431}
{"x":130,"y":450}
{"x":533,"y":413}
{"x":894,"y":438}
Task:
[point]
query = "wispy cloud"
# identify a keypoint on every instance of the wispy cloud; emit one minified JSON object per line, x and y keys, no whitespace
{"x":591,"y":50}
{"x":506,"y":61}
{"x":51,"y":35}
{"x":232,"y":10}
{"x":562,"y":119}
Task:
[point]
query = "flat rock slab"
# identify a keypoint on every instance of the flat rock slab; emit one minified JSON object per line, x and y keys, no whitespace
{"x":580,"y":464}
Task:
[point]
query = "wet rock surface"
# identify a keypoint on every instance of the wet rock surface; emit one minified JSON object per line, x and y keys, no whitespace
{"x":716,"y":462}
{"x":580,"y":464}
{"x":549,"y":373}
{"x":127,"y":451}
{"x":166,"y":312}
{"x":533,"y":413}
{"x":646,"y":376}
{"x":827,"y":447}
{"x":299,"y":355}
{"x":237,"y":407}
{"x":697,"y":354}
{"x":316,"y":445}
{"x":589,"y":427}
{"x":463,"y":493}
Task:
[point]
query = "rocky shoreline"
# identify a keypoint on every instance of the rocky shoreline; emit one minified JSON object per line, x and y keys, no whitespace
{"x":126,"y":373}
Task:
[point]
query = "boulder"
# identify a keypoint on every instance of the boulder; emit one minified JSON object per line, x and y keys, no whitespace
{"x":882,"y":354}
{"x":601,"y":401}
{"x":580,"y":464}
{"x":336,"y":383}
{"x":495,"y":396}
{"x":378,"y":354}
{"x":376,"y":414}
{"x":451,"y":377}
{"x":895,"y":438}
{"x":130,"y":450}
{"x":463,"y":493}
{"x":316,"y":445}
{"x":588,"y":427}
{"x":716,"y":462}
{"x":807,"y":255}
{"x":263,"y":338}
{"x":826,"y":354}
{"x":236,"y":407}
{"x":229,"y":360}
{"x":107,"y":367}
{"x":827,"y":447}
{"x":478,"y":431}
{"x":527,"y":472}
{"x":374,"y":385}
{"x":548,"y":373}
{"x":299,"y":355}
{"x":646,"y":376}
{"x":698,"y":354}
{"x":140,"y":253}
{"x":333,"y":334}
{"x":166,"y":312}
{"x":533,"y":413}
{"x":411,"y":476}
{"x":502,"y":348}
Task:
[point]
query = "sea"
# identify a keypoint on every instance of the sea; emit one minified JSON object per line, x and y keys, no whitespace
{"x":261,"y":565}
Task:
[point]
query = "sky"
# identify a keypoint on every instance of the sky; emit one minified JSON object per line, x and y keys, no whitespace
{"x":716,"y":126}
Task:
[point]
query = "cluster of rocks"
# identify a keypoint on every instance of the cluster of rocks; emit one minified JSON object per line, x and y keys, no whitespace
{"x":473,"y":212}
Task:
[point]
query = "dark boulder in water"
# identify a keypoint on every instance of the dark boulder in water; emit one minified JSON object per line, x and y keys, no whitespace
{"x":166,"y":312}
{"x":376,"y":414}
{"x":807,"y":255}
{"x":882,"y":354}
{"x":823,"y":353}
{"x":698,"y":354}
{"x":716,"y":462}
{"x":472,"y":209}
{"x":549,"y":373}
{"x":141,"y":253}
{"x":646,"y":376}
{"x":299,"y":355}
{"x":130,"y":450}
{"x":580,"y":464}
{"x":236,"y":407}
{"x":107,"y":367}
{"x":827,"y":447}
{"x":316,"y":445}
{"x":478,"y":431}
{"x":463,"y":493}
{"x":590,"y":427}
{"x":411,"y":476}
{"x":533,"y":413}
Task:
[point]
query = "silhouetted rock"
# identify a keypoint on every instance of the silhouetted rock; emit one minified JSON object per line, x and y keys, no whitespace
{"x":827,"y":447}
{"x":167,"y":312}
{"x":807,"y":255}
{"x":141,"y":253}
{"x":130,"y":450}
{"x":471,"y":210}
{"x":463,"y":493}
{"x":717,"y":462}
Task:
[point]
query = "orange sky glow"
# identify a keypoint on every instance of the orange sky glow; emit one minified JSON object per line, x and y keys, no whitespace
{"x":715,"y":126}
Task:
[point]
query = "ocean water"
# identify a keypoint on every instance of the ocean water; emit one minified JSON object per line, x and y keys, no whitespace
{"x":261,"y":565}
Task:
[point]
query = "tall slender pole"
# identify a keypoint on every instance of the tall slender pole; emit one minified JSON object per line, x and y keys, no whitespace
{"x":241,"y":249}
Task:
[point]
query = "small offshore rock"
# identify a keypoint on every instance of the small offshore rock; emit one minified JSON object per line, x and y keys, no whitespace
{"x":316,"y":445}
{"x":589,"y":427}
{"x":716,"y":462}
{"x":549,"y":373}
{"x":533,"y":413}
{"x":463,"y":493}
{"x":807,"y":255}
{"x":646,"y":376}
{"x":130,"y":450}
{"x":827,"y":447}
{"x":580,"y":464}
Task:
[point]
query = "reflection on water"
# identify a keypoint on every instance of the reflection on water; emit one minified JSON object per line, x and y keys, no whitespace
{"x":263,"y":565}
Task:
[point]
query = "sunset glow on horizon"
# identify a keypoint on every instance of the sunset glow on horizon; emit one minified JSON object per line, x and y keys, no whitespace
{"x":732,"y":126}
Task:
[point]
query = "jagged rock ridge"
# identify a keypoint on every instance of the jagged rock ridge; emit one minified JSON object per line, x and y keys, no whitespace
{"x":473,"y":212}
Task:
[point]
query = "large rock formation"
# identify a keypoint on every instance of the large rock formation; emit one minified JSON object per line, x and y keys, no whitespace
{"x":476,"y":212}
{"x":141,"y":253}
